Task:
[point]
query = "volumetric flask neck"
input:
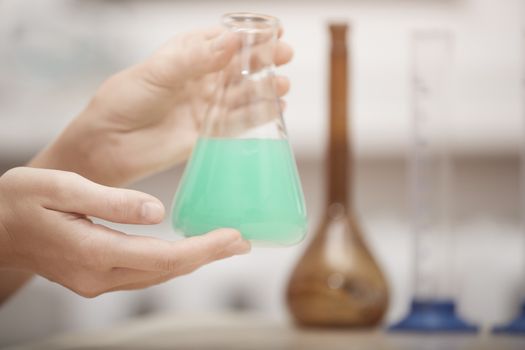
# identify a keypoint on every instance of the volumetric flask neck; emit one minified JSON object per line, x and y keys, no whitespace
{"x":245,"y":103}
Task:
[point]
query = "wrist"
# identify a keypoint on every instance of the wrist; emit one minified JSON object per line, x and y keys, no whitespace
{"x":82,"y":149}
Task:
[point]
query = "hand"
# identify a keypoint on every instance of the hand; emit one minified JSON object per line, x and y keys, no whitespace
{"x":45,"y":229}
{"x":145,"y":119}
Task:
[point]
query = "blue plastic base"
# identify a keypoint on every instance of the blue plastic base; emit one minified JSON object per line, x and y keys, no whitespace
{"x":516,"y":326}
{"x":433,"y":316}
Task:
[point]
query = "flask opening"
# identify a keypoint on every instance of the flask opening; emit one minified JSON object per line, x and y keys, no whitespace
{"x":251,"y":22}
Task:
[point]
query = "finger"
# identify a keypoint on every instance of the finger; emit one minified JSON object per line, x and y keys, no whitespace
{"x":283,"y":53}
{"x":257,"y":58}
{"x":71,"y":193}
{"x":154,"y":279}
{"x":282,"y":85}
{"x":181,"y":257}
{"x":143,"y":284}
{"x":137,"y":279}
{"x":211,"y":33}
{"x":188,"y":56}
{"x":118,"y":277}
{"x":282,"y":103}
{"x":247,"y":92}
{"x":90,"y":283}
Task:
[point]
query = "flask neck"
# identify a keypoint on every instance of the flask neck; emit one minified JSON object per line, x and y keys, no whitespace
{"x":244,"y":102}
{"x":339,"y":172}
{"x":257,"y":35}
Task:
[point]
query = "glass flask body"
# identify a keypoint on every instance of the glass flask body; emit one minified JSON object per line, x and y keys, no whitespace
{"x":337,"y":282}
{"x":242,"y":172}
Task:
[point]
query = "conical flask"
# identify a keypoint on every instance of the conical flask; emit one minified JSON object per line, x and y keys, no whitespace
{"x":337,"y":282}
{"x":242,"y":172}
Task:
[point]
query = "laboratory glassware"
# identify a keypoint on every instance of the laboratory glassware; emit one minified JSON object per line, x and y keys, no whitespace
{"x":433,"y":307}
{"x":517,"y":325}
{"x":337,"y":282}
{"x":242,"y":173}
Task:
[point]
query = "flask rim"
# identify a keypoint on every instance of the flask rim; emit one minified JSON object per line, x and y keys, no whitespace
{"x":249,"y":21}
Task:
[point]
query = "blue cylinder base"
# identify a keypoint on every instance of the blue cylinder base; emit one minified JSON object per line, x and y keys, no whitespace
{"x":516,"y":326}
{"x":433,"y":317}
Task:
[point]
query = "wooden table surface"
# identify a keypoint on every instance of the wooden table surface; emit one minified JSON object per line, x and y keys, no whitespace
{"x":248,"y":331}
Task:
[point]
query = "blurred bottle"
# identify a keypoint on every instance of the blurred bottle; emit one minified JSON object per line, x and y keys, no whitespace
{"x":337,"y":281}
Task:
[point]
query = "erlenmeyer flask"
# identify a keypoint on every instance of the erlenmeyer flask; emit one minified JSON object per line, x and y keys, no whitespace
{"x":337,"y":282}
{"x":242,"y":173}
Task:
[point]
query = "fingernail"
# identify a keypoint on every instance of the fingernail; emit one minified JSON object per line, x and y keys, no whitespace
{"x":152,"y":211}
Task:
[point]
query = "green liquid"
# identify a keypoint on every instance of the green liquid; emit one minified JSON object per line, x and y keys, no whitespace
{"x":247,"y":184}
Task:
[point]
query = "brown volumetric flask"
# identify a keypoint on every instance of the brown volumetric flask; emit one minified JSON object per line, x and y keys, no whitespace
{"x":337,"y":282}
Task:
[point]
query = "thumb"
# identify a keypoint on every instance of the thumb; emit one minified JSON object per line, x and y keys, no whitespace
{"x":189,"y":56}
{"x":73,"y":193}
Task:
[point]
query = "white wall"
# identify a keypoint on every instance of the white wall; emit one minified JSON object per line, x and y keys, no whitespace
{"x":44,"y":81}
{"x":45,"y":66}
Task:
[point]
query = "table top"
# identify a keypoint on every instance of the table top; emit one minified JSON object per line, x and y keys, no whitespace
{"x":250,"y":331}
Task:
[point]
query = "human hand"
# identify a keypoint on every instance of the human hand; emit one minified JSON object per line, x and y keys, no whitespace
{"x":146,"y":118}
{"x":45,"y":229}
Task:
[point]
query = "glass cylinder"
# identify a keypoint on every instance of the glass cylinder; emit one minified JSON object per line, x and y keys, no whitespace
{"x":517,"y":324}
{"x":430,"y":166}
{"x":431,"y":182}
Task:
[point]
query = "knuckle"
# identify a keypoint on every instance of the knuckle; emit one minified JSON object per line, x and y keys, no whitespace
{"x":87,"y":287}
{"x":93,"y":256}
{"x":83,"y":290}
{"x":155,"y":73}
{"x":69,"y":179}
{"x":190,"y":268}
{"x":61,"y":184}
{"x":13,"y":173}
{"x":163,"y":71}
{"x":66,"y":177}
{"x":171,"y":265}
{"x":221,"y":60}
{"x":100,"y":102}
{"x":89,"y":293}
{"x":119,"y":204}
{"x":14,"y":177}
{"x":86,"y":293}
